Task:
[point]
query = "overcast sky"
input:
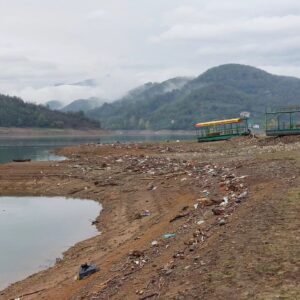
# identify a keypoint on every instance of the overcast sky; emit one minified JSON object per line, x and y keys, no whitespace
{"x":48,"y":47}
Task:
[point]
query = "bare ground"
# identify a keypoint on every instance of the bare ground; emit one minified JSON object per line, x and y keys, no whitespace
{"x":240,"y":241}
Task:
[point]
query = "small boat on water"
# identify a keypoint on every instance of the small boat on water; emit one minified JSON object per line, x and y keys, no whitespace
{"x":22,"y":160}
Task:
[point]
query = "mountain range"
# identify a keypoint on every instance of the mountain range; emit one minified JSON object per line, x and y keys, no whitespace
{"x":219,"y":93}
{"x":178,"y":103}
{"x":76,"y":105}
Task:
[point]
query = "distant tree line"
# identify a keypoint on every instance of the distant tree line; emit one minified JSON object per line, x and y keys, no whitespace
{"x":14,"y":112}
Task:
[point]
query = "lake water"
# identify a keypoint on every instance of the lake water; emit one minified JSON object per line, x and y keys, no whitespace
{"x":40,"y":148}
{"x":34,"y":231}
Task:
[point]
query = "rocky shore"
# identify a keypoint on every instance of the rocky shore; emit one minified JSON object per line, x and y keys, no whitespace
{"x":179,"y":220}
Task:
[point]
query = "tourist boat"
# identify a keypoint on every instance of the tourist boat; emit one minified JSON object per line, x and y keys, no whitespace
{"x":283,"y":121}
{"x":222,"y":129}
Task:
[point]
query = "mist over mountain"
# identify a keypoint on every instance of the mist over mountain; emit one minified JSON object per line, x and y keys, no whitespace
{"x":86,"y":82}
{"x":179,"y":103}
{"x":54,"y":104}
{"x":83,"y":105}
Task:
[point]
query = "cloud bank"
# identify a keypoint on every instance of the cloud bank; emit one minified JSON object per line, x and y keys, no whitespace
{"x":47,"y":48}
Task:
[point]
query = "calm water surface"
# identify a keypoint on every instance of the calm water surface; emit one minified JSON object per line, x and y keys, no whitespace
{"x":34,"y":231}
{"x":40,"y":148}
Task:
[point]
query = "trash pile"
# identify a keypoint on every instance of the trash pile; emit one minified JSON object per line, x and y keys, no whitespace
{"x":221,"y":192}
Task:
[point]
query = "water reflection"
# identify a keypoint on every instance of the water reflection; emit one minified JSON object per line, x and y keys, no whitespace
{"x":34,"y":231}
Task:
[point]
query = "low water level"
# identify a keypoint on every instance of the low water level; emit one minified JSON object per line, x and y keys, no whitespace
{"x":40,"y":148}
{"x":34,"y":231}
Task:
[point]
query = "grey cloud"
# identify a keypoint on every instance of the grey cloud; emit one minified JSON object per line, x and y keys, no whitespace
{"x":136,"y":41}
{"x":87,"y":82}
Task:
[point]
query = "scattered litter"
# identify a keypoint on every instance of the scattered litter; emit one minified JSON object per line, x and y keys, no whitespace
{"x":243,"y":195}
{"x":225,"y":201}
{"x":58,"y":260}
{"x":86,"y":270}
{"x":169,"y":235}
{"x":145,"y":213}
{"x":200,"y":222}
{"x":196,"y":205}
{"x":154,"y":243}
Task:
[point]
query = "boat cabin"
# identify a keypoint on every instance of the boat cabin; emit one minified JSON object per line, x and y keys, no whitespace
{"x":283,"y":121}
{"x":222,"y":129}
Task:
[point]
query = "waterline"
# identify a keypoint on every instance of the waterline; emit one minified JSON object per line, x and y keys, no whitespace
{"x":34,"y":231}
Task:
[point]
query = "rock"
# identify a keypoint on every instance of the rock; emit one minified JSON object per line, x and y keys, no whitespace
{"x":95,"y":222}
{"x":222,"y":222}
{"x":196,"y":233}
{"x":205,"y":201}
{"x":217,"y":211}
{"x":150,"y":186}
{"x":192,"y":248}
{"x":136,"y":253}
{"x":168,"y":272}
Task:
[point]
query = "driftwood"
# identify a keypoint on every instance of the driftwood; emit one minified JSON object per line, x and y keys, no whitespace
{"x":21,"y":160}
{"x":28,"y":294}
{"x":149,"y":296}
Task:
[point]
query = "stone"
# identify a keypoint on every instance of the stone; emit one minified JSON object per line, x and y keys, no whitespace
{"x":217,"y":211}
{"x":222,"y":222}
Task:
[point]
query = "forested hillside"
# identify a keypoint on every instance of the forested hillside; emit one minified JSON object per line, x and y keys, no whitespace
{"x":221,"y":92}
{"x":83,"y":105}
{"x":14,"y":112}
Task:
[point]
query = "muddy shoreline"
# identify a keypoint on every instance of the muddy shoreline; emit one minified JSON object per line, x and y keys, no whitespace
{"x":167,"y":180}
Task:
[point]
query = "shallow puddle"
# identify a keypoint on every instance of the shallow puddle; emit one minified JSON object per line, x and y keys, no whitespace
{"x":34,"y":231}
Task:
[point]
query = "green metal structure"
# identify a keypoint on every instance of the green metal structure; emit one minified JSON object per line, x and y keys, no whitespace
{"x":222,"y":130}
{"x":283,"y":121}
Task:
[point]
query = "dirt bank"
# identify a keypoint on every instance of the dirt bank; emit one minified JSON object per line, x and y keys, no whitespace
{"x":232,"y":206}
